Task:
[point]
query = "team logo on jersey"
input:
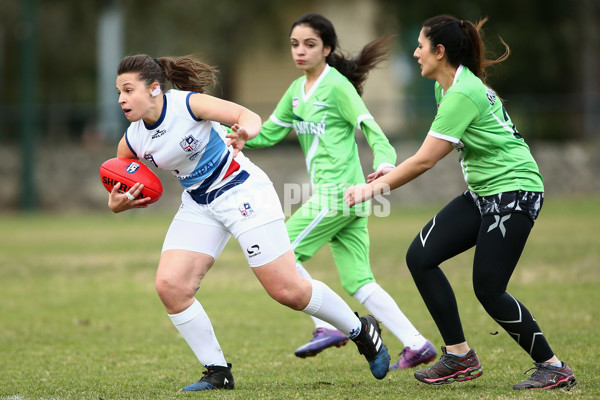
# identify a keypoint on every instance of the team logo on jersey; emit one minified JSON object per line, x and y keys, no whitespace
{"x":246,"y":209}
{"x":150,"y":158}
{"x":158,"y":133}
{"x":189,"y":144}
{"x":295,"y":102}
{"x":132,"y":167}
{"x":319,"y":105}
{"x":491,"y":96}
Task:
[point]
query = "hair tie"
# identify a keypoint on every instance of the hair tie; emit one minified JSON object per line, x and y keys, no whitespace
{"x":156,"y":61}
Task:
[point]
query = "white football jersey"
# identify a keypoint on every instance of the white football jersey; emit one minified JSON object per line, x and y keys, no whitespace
{"x":192,"y":149}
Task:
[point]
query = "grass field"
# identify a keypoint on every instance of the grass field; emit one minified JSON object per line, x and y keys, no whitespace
{"x":80,"y":319}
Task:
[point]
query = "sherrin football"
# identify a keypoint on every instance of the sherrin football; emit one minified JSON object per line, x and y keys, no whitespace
{"x":129,"y":172}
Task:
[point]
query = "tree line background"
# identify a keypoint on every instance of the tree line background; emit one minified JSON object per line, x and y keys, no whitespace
{"x":49,"y":55}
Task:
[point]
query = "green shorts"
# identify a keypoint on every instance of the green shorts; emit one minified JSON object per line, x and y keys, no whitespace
{"x":348,"y":238}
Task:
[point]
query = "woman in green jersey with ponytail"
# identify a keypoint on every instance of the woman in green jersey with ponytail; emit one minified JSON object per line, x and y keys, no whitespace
{"x":495,"y":214}
{"x":324,"y":107}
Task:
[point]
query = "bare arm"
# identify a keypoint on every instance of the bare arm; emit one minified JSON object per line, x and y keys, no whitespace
{"x":123,"y":150}
{"x":118,"y":201}
{"x":431,"y":151}
{"x":245,"y":124}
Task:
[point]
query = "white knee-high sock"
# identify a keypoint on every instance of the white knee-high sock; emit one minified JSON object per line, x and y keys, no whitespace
{"x":319,"y":323}
{"x":328,"y":306}
{"x":195,"y":327}
{"x":384,"y":308}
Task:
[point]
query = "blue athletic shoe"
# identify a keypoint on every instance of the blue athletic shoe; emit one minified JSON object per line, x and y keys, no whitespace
{"x":215,"y":377}
{"x":322,"y":339}
{"x":371,"y":346}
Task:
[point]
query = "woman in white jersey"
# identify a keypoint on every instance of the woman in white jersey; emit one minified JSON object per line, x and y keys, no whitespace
{"x":224,"y":194}
{"x":495,"y":214}
{"x":324,"y":108}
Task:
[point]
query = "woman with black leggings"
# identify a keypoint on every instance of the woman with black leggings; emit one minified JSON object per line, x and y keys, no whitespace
{"x":495,"y":214}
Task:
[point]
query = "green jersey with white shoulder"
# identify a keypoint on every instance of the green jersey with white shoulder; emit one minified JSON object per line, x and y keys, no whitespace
{"x":493,"y":155}
{"x":325,"y":120}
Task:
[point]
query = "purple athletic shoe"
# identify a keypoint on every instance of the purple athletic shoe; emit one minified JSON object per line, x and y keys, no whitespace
{"x":322,"y":339}
{"x":411,"y":358}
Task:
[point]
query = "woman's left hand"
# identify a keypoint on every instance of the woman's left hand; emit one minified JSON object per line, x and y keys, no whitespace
{"x":237,"y":139}
{"x":119,"y":201}
{"x":358,"y":194}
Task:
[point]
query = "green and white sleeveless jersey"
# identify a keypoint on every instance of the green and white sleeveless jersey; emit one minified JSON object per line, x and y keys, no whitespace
{"x":325,"y":120}
{"x":493,"y":156}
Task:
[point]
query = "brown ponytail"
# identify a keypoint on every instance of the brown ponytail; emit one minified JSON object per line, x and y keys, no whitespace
{"x":463,"y":43}
{"x":357,"y":69}
{"x":185,"y":73}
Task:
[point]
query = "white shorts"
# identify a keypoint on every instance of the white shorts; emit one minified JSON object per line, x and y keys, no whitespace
{"x":251,"y":212}
{"x":260,"y":245}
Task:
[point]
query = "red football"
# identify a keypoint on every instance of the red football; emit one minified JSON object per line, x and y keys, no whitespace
{"x":129,"y":172}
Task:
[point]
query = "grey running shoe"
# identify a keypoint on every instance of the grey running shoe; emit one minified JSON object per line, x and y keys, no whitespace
{"x":215,"y":377}
{"x":450,"y":368}
{"x":547,"y":376}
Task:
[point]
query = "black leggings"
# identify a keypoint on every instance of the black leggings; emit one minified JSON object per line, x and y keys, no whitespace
{"x":499,"y":243}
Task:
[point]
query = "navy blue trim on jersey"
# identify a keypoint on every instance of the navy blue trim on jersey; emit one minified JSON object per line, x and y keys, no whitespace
{"x":213,"y":177}
{"x":187,"y":103}
{"x":161,"y":118}
{"x":129,"y":145}
{"x":208,"y":197}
